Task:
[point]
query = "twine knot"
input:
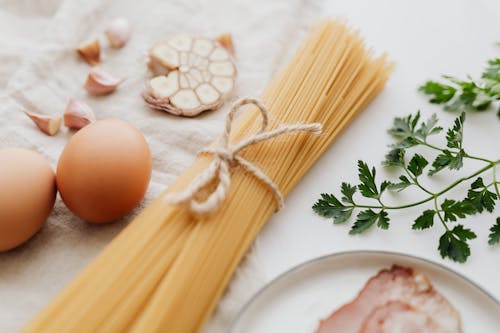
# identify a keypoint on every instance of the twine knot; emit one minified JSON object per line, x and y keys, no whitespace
{"x":226,"y":157}
{"x":224,"y":153}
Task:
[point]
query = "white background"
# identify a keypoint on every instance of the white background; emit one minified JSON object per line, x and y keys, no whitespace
{"x":425,"y":39}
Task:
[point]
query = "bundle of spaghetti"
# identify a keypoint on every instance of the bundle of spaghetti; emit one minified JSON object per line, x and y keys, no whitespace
{"x":167,"y":270}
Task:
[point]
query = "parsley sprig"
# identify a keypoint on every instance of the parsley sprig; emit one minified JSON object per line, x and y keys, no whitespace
{"x":411,"y":132}
{"x":470,"y":94}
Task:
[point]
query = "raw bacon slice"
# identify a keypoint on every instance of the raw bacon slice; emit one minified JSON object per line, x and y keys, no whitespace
{"x":395,"y":284}
{"x":399,"y":317}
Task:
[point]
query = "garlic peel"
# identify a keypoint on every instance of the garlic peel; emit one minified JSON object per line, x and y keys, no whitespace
{"x":90,"y":51}
{"x":101,"y":82}
{"x":48,"y":125}
{"x":226,"y":41}
{"x":78,"y":114}
{"x":192,"y":74}
{"x":118,"y":32}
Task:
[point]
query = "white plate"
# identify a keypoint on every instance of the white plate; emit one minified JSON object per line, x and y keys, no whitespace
{"x":296,"y":301}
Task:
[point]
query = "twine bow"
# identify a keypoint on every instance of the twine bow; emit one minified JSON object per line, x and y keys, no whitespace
{"x":225,"y":157}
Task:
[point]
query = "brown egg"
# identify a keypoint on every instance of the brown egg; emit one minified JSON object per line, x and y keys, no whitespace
{"x":27,"y":195}
{"x":104,"y":170}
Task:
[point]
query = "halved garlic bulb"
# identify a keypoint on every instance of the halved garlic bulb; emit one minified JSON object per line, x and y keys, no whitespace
{"x":192,"y":74}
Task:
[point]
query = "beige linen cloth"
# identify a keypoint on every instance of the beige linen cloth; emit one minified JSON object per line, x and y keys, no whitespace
{"x":39,"y":71}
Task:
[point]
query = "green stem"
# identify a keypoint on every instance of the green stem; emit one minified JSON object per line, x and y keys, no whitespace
{"x":478,"y":158}
{"x":472,"y":157}
{"x":436,"y":207}
{"x":415,"y":180}
{"x":435,"y":195}
{"x":421,"y":187}
{"x":429,"y":145}
{"x":495,"y":181}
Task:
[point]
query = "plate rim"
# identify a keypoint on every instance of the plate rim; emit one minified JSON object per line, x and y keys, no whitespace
{"x":306,"y":263}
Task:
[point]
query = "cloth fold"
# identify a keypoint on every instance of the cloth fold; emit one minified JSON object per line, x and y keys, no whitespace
{"x":40,"y":72}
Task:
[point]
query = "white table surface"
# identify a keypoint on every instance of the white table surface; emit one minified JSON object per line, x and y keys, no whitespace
{"x":426,"y":38}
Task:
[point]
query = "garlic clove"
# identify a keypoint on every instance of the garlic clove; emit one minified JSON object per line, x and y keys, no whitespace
{"x":185,"y":99}
{"x":163,"y":55}
{"x":48,"y":125}
{"x":118,"y":32}
{"x":207,"y":93}
{"x":226,"y":41}
{"x":90,"y":51}
{"x":101,"y":82}
{"x":78,"y":114}
{"x":164,"y":86}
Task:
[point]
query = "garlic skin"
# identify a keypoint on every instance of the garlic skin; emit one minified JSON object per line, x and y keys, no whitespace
{"x":118,"y":32}
{"x":78,"y":115}
{"x":48,"y":125}
{"x":101,"y":82}
{"x":226,"y":41}
{"x":90,"y":51}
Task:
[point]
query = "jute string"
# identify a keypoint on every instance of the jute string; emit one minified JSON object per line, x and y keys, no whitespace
{"x":225,"y":158}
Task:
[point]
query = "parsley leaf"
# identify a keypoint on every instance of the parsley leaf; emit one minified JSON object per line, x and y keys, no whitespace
{"x":492,"y":71}
{"x":395,"y":157}
{"x":383,"y":220}
{"x":404,"y":127}
{"x":330,"y":207}
{"x":429,"y":127}
{"x":417,"y":164}
{"x":494,"y":236}
{"x":457,"y":209}
{"x":424,"y":221}
{"x":327,"y":205}
{"x":441,"y":161}
{"x":368,"y":188}
{"x":453,"y":243}
{"x":455,"y":135}
{"x":407,"y":142}
{"x":385,"y":184}
{"x":367,"y":218}
{"x":469,"y":94}
{"x":471,"y":97}
{"x":480,"y":197}
{"x":403,"y":184}
{"x":348,"y":191}
{"x":441,"y":93}
{"x":446,"y":159}
{"x":457,"y":162}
